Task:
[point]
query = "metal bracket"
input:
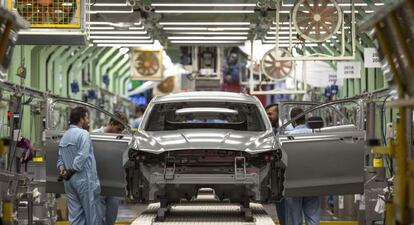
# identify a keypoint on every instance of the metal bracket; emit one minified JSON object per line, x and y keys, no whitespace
{"x":169,"y":168}
{"x":240,"y":168}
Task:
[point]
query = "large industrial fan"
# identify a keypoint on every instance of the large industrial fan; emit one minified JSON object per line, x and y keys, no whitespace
{"x":167,"y":85}
{"x":274,"y":67}
{"x":146,"y":64}
{"x":316,"y":20}
{"x":47,"y":11}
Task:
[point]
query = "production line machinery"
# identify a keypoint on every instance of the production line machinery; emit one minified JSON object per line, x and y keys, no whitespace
{"x":204,"y":210}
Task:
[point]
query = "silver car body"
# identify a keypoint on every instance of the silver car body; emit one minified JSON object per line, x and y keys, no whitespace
{"x":237,"y":164}
{"x":204,"y":146}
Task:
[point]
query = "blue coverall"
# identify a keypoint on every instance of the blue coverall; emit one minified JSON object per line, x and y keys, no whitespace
{"x":83,"y":188}
{"x":110,"y":204}
{"x":309,"y":207}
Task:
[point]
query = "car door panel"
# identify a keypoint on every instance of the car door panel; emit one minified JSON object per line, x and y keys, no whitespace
{"x":108,"y":150}
{"x":324,"y":163}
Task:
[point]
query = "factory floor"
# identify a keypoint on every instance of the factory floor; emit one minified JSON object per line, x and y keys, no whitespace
{"x":129,"y":212}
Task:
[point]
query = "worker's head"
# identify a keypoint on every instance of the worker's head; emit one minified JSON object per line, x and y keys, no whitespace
{"x":79,"y":116}
{"x":139,"y":110}
{"x":115,"y":126}
{"x":295,"y":112}
{"x":273,"y":114}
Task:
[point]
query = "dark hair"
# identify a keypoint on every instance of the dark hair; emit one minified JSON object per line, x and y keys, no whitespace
{"x":271,"y":105}
{"x":76,"y":114}
{"x":295,"y":112}
{"x":140,"y":109}
{"x":121,"y":116}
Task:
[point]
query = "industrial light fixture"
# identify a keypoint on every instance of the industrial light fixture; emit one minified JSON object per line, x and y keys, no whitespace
{"x":207,"y":28}
{"x":206,"y":42}
{"x":109,"y":4}
{"x":121,"y":45}
{"x":204,"y":11}
{"x":110,"y":11}
{"x":102,"y":28}
{"x":201,"y":5}
{"x":209,"y":33}
{"x":119,"y":32}
{"x":207,"y":38}
{"x":136,"y":28}
{"x":281,"y":32}
{"x":204,"y":23}
{"x":123,"y":41}
{"x":121,"y":37}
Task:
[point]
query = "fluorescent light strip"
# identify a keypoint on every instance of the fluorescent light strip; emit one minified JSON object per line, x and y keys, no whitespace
{"x":204,"y":11}
{"x":340,"y":4}
{"x":287,"y":45}
{"x":207,"y":38}
{"x":205,"y":42}
{"x":101,"y":28}
{"x":281,"y":32}
{"x":108,"y":4}
{"x":108,"y":23}
{"x":210,"y":33}
{"x":121,"y":37}
{"x":280,"y":23}
{"x":287,"y":37}
{"x":121,"y":45}
{"x":281,"y":28}
{"x":109,"y":11}
{"x":200,"y":5}
{"x":207,"y":28}
{"x":136,"y":28}
{"x":123,"y":41}
{"x":203,"y":23}
{"x":119,"y":32}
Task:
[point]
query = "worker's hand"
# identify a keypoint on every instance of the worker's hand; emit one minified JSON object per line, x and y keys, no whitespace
{"x":62,"y":170}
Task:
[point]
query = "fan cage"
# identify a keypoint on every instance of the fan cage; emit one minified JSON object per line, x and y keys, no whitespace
{"x":68,"y":20}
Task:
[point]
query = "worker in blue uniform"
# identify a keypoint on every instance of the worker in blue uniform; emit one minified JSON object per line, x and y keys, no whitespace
{"x":307,"y":206}
{"x":110,"y":204}
{"x":76,"y":163}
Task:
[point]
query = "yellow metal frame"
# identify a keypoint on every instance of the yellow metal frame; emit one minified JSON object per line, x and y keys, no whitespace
{"x":77,"y":25}
{"x":403,"y":200}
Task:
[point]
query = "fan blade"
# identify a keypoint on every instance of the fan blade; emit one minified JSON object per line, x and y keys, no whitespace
{"x":283,"y":54}
{"x":301,"y":14}
{"x":268,"y":61}
{"x":318,"y":30}
{"x":304,"y":22}
{"x":272,"y":72}
{"x":309,"y":28}
{"x":330,"y":20}
{"x":285,"y":72}
{"x":326,"y":28}
{"x":328,"y":11}
{"x":316,"y":6}
{"x":271,"y":56}
{"x":306,"y":4}
{"x":324,"y":3}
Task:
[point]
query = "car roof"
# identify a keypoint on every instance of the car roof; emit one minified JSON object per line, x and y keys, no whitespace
{"x":207,"y":96}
